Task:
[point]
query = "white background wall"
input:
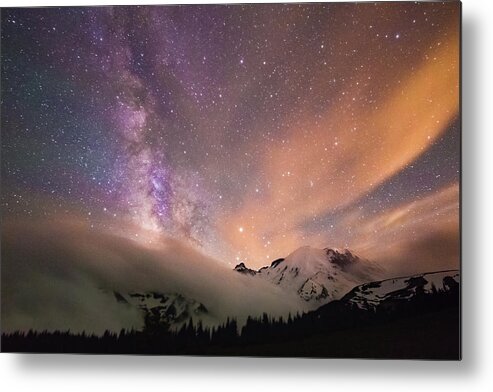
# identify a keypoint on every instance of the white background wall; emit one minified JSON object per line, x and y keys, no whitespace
{"x":112,"y":373}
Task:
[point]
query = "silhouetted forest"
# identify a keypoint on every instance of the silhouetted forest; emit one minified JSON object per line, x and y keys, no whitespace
{"x":428,"y":327}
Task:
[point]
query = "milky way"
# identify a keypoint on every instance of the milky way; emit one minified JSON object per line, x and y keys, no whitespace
{"x":245,"y":130}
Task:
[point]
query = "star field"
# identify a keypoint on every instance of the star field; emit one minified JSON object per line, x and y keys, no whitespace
{"x":246,"y":130}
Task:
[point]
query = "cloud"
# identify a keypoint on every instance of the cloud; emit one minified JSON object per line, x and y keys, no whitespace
{"x":60,"y":274}
{"x":418,"y":236}
{"x":353,"y":148}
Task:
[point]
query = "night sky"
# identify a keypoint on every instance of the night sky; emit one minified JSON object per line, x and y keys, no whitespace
{"x":245,"y":130}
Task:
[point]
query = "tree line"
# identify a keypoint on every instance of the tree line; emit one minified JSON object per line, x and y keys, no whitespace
{"x":195,"y":338}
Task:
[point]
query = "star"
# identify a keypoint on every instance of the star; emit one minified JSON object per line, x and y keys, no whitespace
{"x":280,"y":124}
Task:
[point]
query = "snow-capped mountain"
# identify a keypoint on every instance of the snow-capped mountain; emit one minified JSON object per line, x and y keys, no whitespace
{"x":317,"y":275}
{"x":242,"y":268}
{"x":391,"y":292}
{"x":169,"y":310}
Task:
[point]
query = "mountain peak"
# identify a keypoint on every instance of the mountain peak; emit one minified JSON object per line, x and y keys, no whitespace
{"x":341,"y":258}
{"x":243,"y":269}
{"x":316,"y":275}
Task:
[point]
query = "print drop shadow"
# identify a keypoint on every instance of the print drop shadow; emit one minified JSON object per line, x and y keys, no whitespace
{"x":393,"y":369}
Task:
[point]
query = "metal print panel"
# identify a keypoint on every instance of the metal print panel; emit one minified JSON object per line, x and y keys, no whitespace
{"x":258,"y":179}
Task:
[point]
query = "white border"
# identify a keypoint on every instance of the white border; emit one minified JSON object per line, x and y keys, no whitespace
{"x":123,"y":373}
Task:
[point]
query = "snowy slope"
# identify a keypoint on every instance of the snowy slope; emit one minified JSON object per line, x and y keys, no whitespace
{"x":317,"y":276}
{"x":166,"y":309}
{"x":371,"y":295}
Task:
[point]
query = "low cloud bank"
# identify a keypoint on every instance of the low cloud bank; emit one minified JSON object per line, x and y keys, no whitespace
{"x":60,"y":275}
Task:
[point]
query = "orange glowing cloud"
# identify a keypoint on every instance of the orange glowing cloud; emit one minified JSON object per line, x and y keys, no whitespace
{"x":418,"y":236}
{"x":353,"y":148}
